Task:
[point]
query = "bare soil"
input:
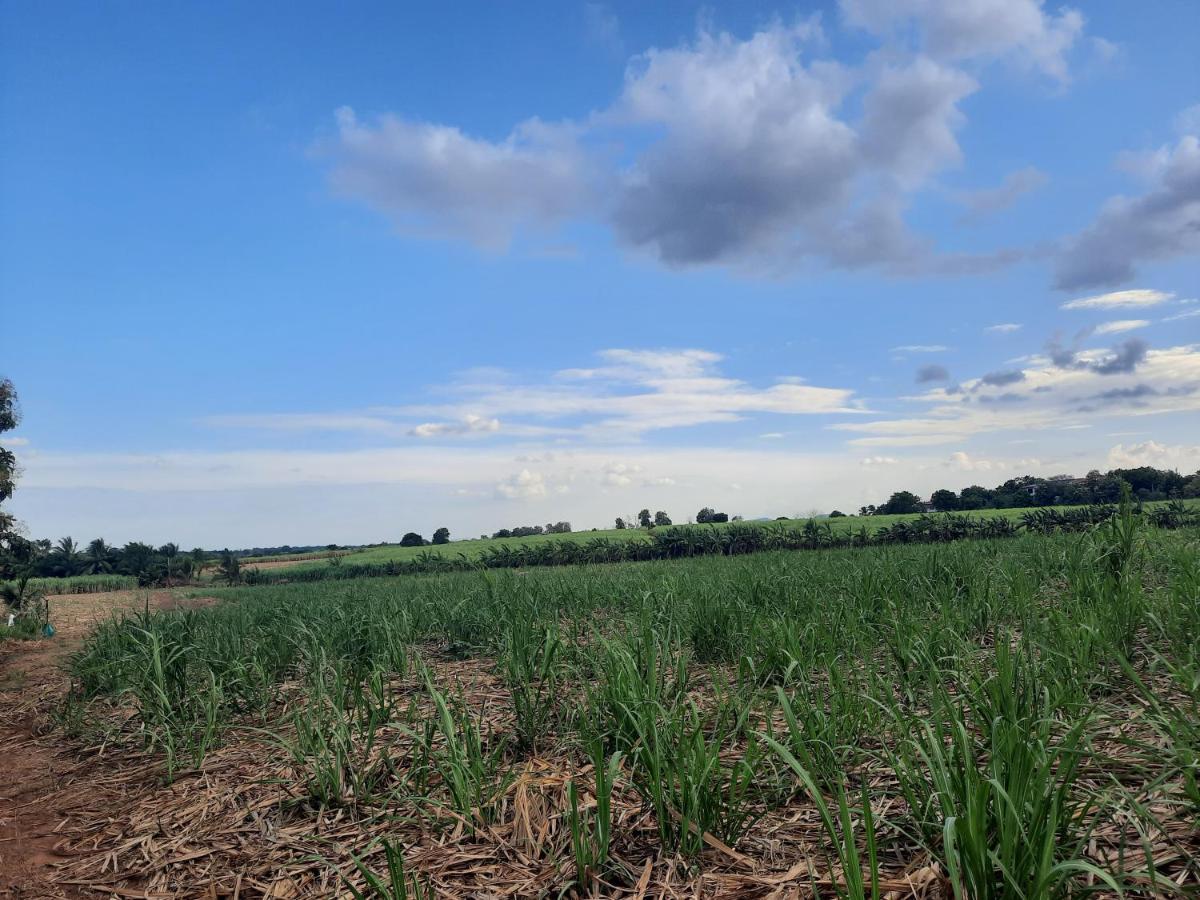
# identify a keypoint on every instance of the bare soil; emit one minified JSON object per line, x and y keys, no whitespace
{"x":40,"y":779}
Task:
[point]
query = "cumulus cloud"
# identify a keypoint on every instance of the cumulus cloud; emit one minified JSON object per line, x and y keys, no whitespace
{"x":1140,"y":297}
{"x":435,"y":179}
{"x":525,"y":485}
{"x":1182,"y":457}
{"x":1019,"y":30}
{"x":988,"y":201}
{"x":926,"y":374}
{"x":753,"y":152}
{"x":911,"y":114}
{"x":1162,"y":223}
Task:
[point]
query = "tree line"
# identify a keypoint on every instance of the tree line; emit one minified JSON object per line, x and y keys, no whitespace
{"x":744,"y":537}
{"x":1145,"y":484}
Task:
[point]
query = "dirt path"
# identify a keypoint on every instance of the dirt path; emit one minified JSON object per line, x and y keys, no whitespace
{"x":36,"y":768}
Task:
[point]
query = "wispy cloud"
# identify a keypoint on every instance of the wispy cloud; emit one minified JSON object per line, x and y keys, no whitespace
{"x":988,"y":201}
{"x":920,"y":348}
{"x":630,"y":392}
{"x":1141,"y":297}
{"x":1073,"y":391}
{"x":1003,"y":328}
{"x":1120,"y":325}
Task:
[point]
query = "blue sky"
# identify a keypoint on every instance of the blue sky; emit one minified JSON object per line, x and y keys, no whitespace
{"x":298,"y":274}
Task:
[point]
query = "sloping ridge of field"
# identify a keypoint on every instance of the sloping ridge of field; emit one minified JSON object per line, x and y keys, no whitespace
{"x":472,"y":548}
{"x":987,"y":718}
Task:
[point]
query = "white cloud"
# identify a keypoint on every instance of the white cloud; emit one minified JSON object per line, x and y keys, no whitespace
{"x":1185,"y":459}
{"x":920,"y":348}
{"x":525,"y":485}
{"x":964,"y":462}
{"x":436,"y":180}
{"x":1140,"y":297}
{"x":636,"y":391}
{"x":1003,"y":328}
{"x":470,"y":424}
{"x":1019,"y":30}
{"x":1067,"y":392}
{"x":1189,"y":314}
{"x":1120,"y":325}
{"x":772,"y":436}
{"x":16,"y":441}
{"x":632,"y":391}
{"x":880,"y":461}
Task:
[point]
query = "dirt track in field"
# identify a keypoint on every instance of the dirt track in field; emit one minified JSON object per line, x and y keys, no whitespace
{"x":35,"y":814}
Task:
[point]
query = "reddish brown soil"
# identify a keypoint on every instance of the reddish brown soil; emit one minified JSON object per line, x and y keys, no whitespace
{"x":35,"y":810}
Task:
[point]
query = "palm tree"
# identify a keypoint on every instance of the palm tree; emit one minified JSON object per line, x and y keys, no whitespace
{"x":169,"y":552}
{"x":200,"y":561}
{"x":98,"y":557}
{"x":67,"y":558}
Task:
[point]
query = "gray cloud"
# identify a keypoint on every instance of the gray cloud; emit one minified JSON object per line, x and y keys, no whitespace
{"x":910,"y":116}
{"x":1000,"y":379}
{"x":988,"y":201}
{"x":746,"y":153}
{"x":1125,"y":358}
{"x":437,"y":180}
{"x":1160,"y":224}
{"x":1130,"y":393}
{"x":926,"y":374}
{"x":1003,"y":398}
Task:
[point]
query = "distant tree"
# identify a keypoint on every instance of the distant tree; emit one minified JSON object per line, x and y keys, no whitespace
{"x":502,"y":533}
{"x":200,"y":561}
{"x":720,"y":517}
{"x":901,"y":502}
{"x":944,"y":500}
{"x":837,"y":514}
{"x":10,"y":417}
{"x":19,"y":556}
{"x":230,"y":567}
{"x":1191,"y":487}
{"x":412,"y":539}
{"x":644,"y":520}
{"x":169,"y":553}
{"x":620,"y":524}
{"x":98,"y":557}
{"x":661,"y":518}
{"x":738,"y":519}
{"x":441,"y":536}
{"x":67,"y":559}
{"x":705,"y":515}
{"x":974,"y":497}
